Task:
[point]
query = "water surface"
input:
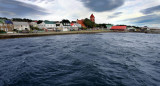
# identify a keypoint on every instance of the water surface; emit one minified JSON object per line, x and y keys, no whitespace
{"x":104,"y":59}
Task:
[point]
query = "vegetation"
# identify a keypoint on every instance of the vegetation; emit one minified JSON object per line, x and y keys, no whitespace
{"x":22,"y":20}
{"x":34,"y":28}
{"x":4,"y":18}
{"x":83,"y":28}
{"x":89,"y":24}
{"x":39,"y":21}
{"x":101,"y":25}
{"x":2,"y":31}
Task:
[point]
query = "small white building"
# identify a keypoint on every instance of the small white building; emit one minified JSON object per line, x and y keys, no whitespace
{"x":21,"y":25}
{"x":65,"y":25}
{"x":75,"y":26}
{"x":33,"y":24}
{"x":49,"y":25}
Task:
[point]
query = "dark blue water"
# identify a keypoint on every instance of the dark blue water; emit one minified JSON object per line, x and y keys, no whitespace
{"x":104,"y":59}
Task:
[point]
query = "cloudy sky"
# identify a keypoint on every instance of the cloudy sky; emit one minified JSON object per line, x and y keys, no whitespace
{"x":131,"y":12}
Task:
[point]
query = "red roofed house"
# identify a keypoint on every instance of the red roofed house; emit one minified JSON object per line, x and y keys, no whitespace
{"x":92,"y":18}
{"x":119,"y":28}
{"x":81,"y":22}
{"x":75,"y":26}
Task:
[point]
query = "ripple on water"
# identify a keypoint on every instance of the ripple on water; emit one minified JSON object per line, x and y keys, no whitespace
{"x":106,"y":59}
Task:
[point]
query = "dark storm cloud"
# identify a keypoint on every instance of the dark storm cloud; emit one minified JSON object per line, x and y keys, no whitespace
{"x":103,"y":5}
{"x":151,"y":10}
{"x":11,"y":8}
{"x":115,"y":15}
{"x":148,"y":19}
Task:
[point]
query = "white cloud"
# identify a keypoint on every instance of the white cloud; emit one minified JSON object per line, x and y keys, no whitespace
{"x":75,"y":9}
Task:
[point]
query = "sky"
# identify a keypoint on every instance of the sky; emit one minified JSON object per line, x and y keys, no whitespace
{"x":129,"y":12}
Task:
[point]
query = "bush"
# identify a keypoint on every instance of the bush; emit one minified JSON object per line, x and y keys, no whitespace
{"x":89,"y":23}
{"x":83,"y":28}
{"x":34,"y":28}
{"x":2,"y":31}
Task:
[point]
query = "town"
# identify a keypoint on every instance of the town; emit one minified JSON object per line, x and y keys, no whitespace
{"x":19,"y":25}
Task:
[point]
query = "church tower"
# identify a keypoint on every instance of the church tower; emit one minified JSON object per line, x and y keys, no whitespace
{"x":92,"y":18}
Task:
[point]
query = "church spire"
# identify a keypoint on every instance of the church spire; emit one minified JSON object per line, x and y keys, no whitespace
{"x":92,"y":18}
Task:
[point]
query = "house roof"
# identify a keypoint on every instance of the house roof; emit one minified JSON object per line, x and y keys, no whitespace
{"x":8,"y":22}
{"x":81,"y":22}
{"x":49,"y":22}
{"x":79,"y":25}
{"x":20,"y":23}
{"x":119,"y":27}
{"x":65,"y":22}
{"x":72,"y":24}
{"x":109,"y":25}
{"x":35,"y":21}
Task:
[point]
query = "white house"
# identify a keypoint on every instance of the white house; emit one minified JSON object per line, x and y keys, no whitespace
{"x":21,"y":25}
{"x":65,"y":25}
{"x":75,"y":26}
{"x":33,"y":24}
{"x":49,"y":25}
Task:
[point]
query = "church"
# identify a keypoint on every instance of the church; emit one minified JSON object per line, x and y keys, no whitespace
{"x":92,"y":18}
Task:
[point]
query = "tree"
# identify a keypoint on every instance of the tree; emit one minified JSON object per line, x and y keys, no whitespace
{"x":40,"y":21}
{"x":17,"y":19}
{"x":101,"y":25}
{"x":34,"y":28}
{"x":88,"y":23}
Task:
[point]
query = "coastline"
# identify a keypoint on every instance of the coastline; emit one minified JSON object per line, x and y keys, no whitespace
{"x":24,"y":35}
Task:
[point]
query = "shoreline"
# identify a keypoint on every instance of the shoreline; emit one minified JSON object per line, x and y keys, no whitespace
{"x":24,"y":35}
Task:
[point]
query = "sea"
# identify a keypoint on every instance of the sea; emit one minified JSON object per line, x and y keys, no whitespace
{"x":102,"y":59}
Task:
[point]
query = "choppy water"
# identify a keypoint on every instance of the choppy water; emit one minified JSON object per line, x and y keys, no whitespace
{"x":104,"y":59}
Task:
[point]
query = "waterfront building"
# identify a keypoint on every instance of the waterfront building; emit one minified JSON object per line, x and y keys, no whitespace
{"x":81,"y":22}
{"x":18,"y":25}
{"x":6,"y":25}
{"x":79,"y":25}
{"x":33,"y":24}
{"x":75,"y":26}
{"x":65,"y":25}
{"x":119,"y":28}
{"x":92,"y":18}
{"x":47,"y":25}
{"x":58,"y":25}
{"x":109,"y":26}
{"x":144,"y":29}
{"x":131,"y":28}
{"x":137,"y":29}
{"x":154,"y":30}
{"x":9,"y":26}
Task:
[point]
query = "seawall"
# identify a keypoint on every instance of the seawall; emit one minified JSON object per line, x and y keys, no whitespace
{"x":22,"y":35}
